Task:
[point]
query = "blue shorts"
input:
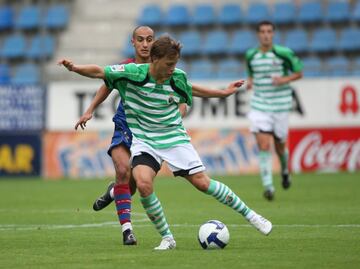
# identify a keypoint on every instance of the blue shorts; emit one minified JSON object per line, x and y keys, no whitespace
{"x":122,"y":134}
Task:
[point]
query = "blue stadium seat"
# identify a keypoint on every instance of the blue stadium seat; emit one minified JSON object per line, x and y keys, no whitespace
{"x":355,"y":70}
{"x":6,"y":18}
{"x":297,"y":40}
{"x":151,"y":15}
{"x":182,"y":65}
{"x":337,"y":66}
{"x":4,"y":74}
{"x":192,"y":43}
{"x":177,"y":15}
{"x":284,"y":13}
{"x":56,"y":17}
{"x":128,"y":50}
{"x":355,"y":14}
{"x":201,"y":69}
{"x":216,"y":43}
{"x":29,"y":18}
{"x":257,"y":12}
{"x":230,"y":69}
{"x":317,"y":43}
{"x":241,"y":41}
{"x":41,"y":47}
{"x":230,"y":14}
{"x":312,"y":67}
{"x":310,"y":12}
{"x":349,"y":40}
{"x":337,"y":12}
{"x":14,"y":47}
{"x":26,"y":74}
{"x":204,"y":15}
{"x":278,"y":38}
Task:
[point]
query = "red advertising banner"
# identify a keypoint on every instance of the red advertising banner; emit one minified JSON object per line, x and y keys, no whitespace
{"x":330,"y":149}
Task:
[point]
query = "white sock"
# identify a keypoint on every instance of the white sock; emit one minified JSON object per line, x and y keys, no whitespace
{"x":126,"y":226}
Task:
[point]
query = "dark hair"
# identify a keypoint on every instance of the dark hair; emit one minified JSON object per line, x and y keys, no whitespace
{"x":258,"y":26}
{"x":141,"y":26}
{"x":165,"y":46}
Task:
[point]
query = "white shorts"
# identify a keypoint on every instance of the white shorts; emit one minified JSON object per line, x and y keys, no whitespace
{"x":181,"y":159}
{"x":276,"y":123}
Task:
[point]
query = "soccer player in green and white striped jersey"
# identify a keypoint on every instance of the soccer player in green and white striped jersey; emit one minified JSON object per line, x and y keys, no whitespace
{"x":270,"y":69}
{"x":151,"y":94}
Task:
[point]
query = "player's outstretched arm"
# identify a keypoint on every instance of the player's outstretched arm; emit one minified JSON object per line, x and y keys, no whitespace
{"x":89,"y":70}
{"x":201,"y":91}
{"x":100,"y":96}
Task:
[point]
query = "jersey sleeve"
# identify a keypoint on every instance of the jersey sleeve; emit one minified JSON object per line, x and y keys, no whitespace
{"x":183,"y":87}
{"x":293,"y":63}
{"x":248,"y":56}
{"x":116,"y":74}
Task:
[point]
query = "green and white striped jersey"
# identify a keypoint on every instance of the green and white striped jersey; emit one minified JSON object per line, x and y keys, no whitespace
{"x":151,"y":109}
{"x":262,"y":67}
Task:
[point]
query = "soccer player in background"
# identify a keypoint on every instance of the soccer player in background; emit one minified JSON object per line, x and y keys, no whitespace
{"x":270,"y":69}
{"x":151,"y":94}
{"x":124,"y":186}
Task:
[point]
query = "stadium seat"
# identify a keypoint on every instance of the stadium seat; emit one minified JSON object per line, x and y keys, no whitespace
{"x":151,"y":15}
{"x":4,"y":74}
{"x":192,"y":43}
{"x":41,"y":47}
{"x":14,"y":47}
{"x":355,"y":70}
{"x":310,"y":12}
{"x":202,"y":69}
{"x":230,"y":14}
{"x":257,"y":12}
{"x":177,"y":15}
{"x":241,"y":41}
{"x":128,"y":50}
{"x":203,"y":15}
{"x":278,"y":38}
{"x":182,"y":65}
{"x":56,"y":17}
{"x":230,"y":69}
{"x":337,"y":66}
{"x":29,"y":18}
{"x":26,"y":74}
{"x":312,"y":67}
{"x":297,"y":40}
{"x":6,"y":17}
{"x":317,"y":43}
{"x":284,"y":13}
{"x":355,"y":14}
{"x":216,"y":43}
{"x":349,"y":40}
{"x":337,"y":12}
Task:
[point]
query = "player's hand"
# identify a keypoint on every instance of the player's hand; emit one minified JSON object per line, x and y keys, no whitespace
{"x":82,"y":121}
{"x":277,"y":81}
{"x":69,"y":65}
{"x":233,"y":87}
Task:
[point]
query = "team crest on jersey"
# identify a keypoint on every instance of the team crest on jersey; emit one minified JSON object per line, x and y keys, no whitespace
{"x":117,"y":68}
{"x":171,"y":99}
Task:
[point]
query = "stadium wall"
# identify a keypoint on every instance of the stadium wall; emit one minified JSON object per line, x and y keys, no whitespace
{"x":324,"y":130}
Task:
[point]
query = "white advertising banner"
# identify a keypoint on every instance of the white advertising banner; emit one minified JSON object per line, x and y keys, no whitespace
{"x":318,"y":103}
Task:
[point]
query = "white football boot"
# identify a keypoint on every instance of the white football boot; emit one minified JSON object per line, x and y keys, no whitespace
{"x":260,"y":223}
{"x":166,"y":243}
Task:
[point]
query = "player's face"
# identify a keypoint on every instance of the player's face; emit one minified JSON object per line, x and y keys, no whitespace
{"x":142,"y":41}
{"x":265,"y":35}
{"x":166,"y":66}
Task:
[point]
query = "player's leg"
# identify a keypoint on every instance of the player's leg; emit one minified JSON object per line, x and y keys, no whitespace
{"x":184,"y":161}
{"x":262,"y":127}
{"x":121,"y":157}
{"x":263,"y":141}
{"x":280,"y":137}
{"x":144,"y":169}
{"x":225,"y":195}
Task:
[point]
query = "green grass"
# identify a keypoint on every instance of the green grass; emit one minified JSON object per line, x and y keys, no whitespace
{"x":47,"y":224}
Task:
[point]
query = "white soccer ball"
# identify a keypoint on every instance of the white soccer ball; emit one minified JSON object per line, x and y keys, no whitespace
{"x":213,"y":234}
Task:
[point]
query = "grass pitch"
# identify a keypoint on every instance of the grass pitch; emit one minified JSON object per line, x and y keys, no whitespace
{"x":47,"y":224}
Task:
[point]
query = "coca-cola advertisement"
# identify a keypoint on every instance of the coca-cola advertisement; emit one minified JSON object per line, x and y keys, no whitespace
{"x":330,"y":149}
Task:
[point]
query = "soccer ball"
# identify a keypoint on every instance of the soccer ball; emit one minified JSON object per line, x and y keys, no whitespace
{"x":213,"y":234}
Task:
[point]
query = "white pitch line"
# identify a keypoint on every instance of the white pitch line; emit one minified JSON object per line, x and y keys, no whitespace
{"x":24,"y":227}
